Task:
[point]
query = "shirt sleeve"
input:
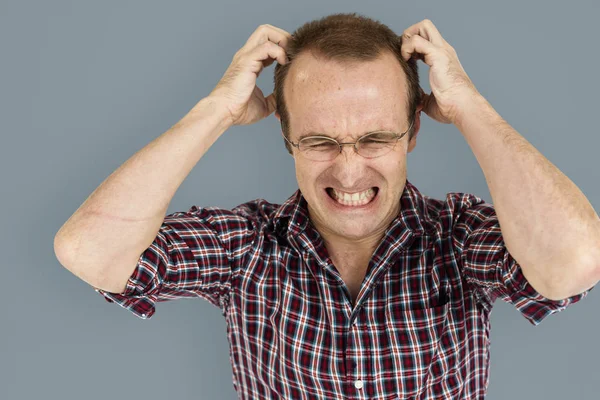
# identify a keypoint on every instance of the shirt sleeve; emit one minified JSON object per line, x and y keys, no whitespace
{"x":490,"y":268}
{"x":195,"y":254}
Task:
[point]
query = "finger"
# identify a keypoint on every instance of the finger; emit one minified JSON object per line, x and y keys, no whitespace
{"x":265,"y":54}
{"x":267,"y":62}
{"x":284,"y":32}
{"x":420,"y":45}
{"x":274,"y":52}
{"x":427,"y":30}
{"x":266,"y":33}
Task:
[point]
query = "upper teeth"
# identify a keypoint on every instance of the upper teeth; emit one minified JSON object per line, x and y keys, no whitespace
{"x":353,"y":196}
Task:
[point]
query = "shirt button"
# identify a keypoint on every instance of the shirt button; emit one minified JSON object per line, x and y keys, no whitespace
{"x":358,"y":384}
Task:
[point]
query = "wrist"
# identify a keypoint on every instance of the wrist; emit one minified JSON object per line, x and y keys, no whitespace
{"x":214,"y":108}
{"x":469,"y":104}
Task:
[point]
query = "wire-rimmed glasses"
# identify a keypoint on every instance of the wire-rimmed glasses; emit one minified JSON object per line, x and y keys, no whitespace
{"x":371,"y":145}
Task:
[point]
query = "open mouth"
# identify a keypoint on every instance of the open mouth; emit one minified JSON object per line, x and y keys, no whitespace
{"x":353,"y":200}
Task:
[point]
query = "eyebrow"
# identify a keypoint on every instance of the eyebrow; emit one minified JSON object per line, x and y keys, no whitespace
{"x":309,"y":134}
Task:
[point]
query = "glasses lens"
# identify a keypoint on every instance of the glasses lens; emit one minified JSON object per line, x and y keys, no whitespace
{"x":376,"y":144}
{"x":319,"y":148}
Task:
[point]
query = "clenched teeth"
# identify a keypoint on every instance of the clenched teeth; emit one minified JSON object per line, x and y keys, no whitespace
{"x":355,"y":199}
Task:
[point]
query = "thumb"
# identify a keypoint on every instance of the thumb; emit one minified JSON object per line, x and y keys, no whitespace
{"x":271,"y":103}
{"x":431,"y":108}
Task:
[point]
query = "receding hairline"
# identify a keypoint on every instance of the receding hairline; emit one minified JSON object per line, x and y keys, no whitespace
{"x":349,"y":38}
{"x":382,"y":55}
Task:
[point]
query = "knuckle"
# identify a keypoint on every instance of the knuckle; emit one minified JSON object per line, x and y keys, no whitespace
{"x":259,"y":30}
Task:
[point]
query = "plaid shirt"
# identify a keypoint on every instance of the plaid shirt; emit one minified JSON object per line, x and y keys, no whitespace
{"x":420,"y":328}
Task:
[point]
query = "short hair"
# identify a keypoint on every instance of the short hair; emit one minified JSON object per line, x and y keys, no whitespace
{"x":346,"y":37}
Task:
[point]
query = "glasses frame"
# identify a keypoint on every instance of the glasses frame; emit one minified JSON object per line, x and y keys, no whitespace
{"x":340,"y":144}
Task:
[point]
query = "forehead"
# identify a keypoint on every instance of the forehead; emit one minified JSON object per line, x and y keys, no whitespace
{"x":345,"y":99}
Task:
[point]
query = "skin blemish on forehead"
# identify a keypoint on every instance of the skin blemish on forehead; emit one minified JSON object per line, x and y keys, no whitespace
{"x":302,"y":75}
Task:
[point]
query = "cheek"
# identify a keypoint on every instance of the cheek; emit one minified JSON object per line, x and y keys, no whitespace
{"x":390,"y":166}
{"x":307,"y":173}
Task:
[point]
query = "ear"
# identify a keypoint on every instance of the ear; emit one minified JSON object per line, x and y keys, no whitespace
{"x":417,"y":126}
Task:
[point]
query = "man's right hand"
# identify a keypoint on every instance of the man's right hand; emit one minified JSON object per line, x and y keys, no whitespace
{"x":237,"y":90}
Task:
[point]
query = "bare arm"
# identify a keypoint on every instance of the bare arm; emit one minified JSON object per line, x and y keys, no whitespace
{"x":102,"y":240}
{"x":121,"y":218}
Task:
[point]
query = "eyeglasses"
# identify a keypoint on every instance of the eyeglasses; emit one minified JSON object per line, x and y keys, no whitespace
{"x":371,"y":145}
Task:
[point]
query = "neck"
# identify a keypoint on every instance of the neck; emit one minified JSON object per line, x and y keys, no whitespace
{"x":348,"y":254}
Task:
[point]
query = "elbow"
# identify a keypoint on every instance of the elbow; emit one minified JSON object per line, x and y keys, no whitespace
{"x":61,"y":252}
{"x":581,"y":276}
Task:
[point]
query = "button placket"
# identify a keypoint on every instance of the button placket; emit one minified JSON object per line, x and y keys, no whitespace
{"x":356,"y":314}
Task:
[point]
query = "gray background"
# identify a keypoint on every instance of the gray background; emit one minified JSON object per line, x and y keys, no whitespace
{"x":86,"y":84}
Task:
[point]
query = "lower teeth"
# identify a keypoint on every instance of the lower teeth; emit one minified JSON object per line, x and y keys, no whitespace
{"x":361,"y":201}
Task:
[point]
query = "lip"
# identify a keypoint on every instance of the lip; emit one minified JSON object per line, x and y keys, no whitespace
{"x":367,"y":207}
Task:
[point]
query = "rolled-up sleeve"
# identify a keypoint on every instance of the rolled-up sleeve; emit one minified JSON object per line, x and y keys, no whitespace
{"x":195,"y":254}
{"x":489,"y":267}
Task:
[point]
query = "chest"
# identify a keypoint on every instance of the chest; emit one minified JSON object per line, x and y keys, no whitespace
{"x":296,"y":314}
{"x":353,"y":280}
{"x":352,"y":268}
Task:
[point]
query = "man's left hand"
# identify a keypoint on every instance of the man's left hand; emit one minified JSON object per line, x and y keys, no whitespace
{"x":451,"y":88}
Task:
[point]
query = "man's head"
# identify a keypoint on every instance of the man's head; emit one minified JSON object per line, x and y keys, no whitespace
{"x":346,"y":77}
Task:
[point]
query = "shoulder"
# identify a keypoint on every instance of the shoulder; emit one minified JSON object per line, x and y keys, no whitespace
{"x":259,"y":210}
{"x":457,"y":208}
{"x":256,"y":212}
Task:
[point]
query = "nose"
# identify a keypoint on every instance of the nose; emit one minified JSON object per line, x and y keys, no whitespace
{"x":348,"y":148}
{"x":348,"y":167}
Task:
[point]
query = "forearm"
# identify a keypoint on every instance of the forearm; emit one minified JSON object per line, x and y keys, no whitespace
{"x":547,"y":223}
{"x":122,"y":216}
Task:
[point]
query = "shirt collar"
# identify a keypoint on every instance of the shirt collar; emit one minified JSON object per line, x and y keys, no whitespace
{"x":293,"y":215}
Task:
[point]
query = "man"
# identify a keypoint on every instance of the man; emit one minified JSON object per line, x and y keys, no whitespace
{"x":357,"y":286}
